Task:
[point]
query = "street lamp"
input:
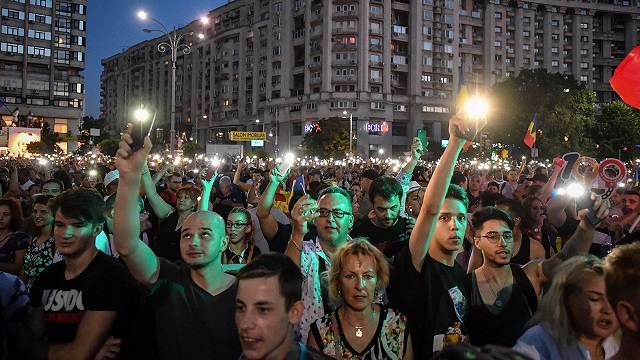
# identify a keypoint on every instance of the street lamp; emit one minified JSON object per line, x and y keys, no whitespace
{"x":174,"y":44}
{"x":350,"y":132}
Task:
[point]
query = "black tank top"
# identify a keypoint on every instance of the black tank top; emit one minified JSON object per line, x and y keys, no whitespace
{"x":524,"y":253}
{"x":505,"y":328}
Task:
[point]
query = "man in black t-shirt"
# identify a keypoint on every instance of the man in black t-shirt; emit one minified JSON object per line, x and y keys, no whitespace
{"x":387,"y":230}
{"x":76,"y":304}
{"x":427,"y":284}
{"x":194,"y":300}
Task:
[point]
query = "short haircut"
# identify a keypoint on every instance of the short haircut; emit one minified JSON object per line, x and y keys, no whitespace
{"x":193,"y":192}
{"x":42,"y":199}
{"x":493,"y":183}
{"x":514,"y":207}
{"x":54,"y":181}
{"x":489,"y":198}
{"x":275,"y":264}
{"x":225,"y":180}
{"x":386,"y":188}
{"x":16,"y":212}
{"x":356,"y":247}
{"x":249,"y":238}
{"x":553,"y":310}
{"x":81,"y":204}
{"x":456,"y":192}
{"x":622,"y":275}
{"x":632,"y":192}
{"x":485,"y":214}
{"x":336,"y":190}
{"x":458,"y":178}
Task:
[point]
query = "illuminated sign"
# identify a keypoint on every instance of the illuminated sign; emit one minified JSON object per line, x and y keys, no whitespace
{"x":247,"y":135}
{"x":308,"y":128}
{"x":257,"y":142}
{"x":19,"y":138}
{"x":377,"y":127}
{"x":444,"y":143}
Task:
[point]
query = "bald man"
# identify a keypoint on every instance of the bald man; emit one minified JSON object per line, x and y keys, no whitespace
{"x":194,"y":299}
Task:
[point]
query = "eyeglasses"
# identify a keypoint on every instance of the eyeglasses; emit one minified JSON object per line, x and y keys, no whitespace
{"x":495,"y":237}
{"x":338,"y":214}
{"x":233,"y":225}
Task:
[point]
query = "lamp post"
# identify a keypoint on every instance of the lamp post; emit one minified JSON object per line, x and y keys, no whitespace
{"x":173,"y":44}
{"x":350,"y":132}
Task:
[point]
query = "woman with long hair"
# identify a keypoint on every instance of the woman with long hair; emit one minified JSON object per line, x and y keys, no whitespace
{"x":360,"y":328}
{"x":42,"y":246}
{"x":574,"y":319}
{"x":241,"y":249}
{"x":13,"y":242}
{"x":534,"y":224}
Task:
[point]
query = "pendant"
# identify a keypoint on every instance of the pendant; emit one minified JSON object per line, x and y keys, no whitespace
{"x":358,"y":331}
{"x":498,"y":303}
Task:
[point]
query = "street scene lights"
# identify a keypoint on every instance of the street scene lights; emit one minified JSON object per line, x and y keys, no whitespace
{"x":174,"y":44}
{"x":350,"y":132}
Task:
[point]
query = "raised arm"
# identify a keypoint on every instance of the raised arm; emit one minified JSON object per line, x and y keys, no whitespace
{"x":236,"y":177}
{"x":268,"y":223}
{"x":405,"y":174}
{"x":541,"y":271}
{"x":139,"y":258}
{"x":14,"y":186}
{"x":546,"y":191}
{"x":207,"y":185}
{"x":158,"y":205}
{"x":166,"y":169}
{"x":434,"y":196}
{"x":303,"y":211}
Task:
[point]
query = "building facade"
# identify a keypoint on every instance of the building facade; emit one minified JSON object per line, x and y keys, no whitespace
{"x":42,"y":52}
{"x":391,"y":67}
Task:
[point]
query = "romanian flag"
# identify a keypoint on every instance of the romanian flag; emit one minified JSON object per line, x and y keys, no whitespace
{"x":462,"y":98}
{"x":530,"y":136}
{"x":636,"y":179}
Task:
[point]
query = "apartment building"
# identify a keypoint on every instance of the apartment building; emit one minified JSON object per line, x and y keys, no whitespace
{"x":392,"y":67}
{"x":42,"y":52}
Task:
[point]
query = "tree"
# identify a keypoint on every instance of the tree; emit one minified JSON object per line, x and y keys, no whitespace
{"x":617,"y":131}
{"x":88,"y":123}
{"x":564,"y":110}
{"x":191,"y":149}
{"x":328,"y":139}
{"x":108,"y":147}
{"x":48,"y":142}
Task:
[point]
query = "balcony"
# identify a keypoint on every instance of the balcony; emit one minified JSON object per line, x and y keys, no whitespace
{"x":375,"y":80}
{"x":375,"y":47}
{"x":343,"y":62}
{"x":344,"y":46}
{"x":315,"y":65}
{"x":376,"y":63}
{"x":338,"y":14}
{"x":343,"y":78}
{"x":347,"y":30}
{"x":316,"y":80}
{"x":396,"y":5}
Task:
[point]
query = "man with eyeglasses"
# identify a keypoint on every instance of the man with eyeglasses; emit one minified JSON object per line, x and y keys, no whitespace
{"x":504,"y":296}
{"x":333,"y":217}
{"x":169,"y":195}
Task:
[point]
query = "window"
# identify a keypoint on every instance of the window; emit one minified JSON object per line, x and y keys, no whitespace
{"x":554,"y":63}
{"x":60,"y":126}
{"x":63,"y":41}
{"x":526,"y":19}
{"x":427,"y":15}
{"x":526,"y":33}
{"x":555,"y":36}
{"x":584,"y":39}
{"x":12,"y":48}
{"x":498,"y":43}
{"x":427,"y":45}
{"x":43,"y":3}
{"x":498,"y":29}
{"x":498,"y":15}
{"x":39,"y":18}
{"x":584,"y":26}
{"x":64,"y":8}
{"x":584,"y":78}
{"x":13,"y":14}
{"x":555,"y":23}
{"x":584,"y":65}
{"x":427,"y":60}
{"x":554,"y":50}
{"x":426,"y":77}
{"x":584,"y":52}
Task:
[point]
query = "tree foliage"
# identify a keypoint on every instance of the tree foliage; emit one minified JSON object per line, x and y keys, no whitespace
{"x":564,"y":108}
{"x":328,"y":139}
{"x":191,"y":149}
{"x":48,"y":142}
{"x":617,"y":128}
{"x":108,"y":147}
{"x":88,"y":123}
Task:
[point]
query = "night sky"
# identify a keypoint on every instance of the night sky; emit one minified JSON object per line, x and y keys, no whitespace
{"x":113,"y":26}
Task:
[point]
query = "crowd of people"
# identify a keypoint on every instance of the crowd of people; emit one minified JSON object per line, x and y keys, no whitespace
{"x":337,"y":261}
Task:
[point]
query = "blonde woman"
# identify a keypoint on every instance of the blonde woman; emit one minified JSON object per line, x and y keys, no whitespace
{"x":574,"y":319}
{"x":360,"y":328}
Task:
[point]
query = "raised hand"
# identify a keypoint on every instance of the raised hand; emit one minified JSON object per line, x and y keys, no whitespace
{"x":129,"y":162}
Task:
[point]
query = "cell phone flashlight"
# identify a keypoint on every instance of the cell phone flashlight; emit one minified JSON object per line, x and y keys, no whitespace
{"x":141,"y":128}
{"x":583,"y":200}
{"x":286,"y":164}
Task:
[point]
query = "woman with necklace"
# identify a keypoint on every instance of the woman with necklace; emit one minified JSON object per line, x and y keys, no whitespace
{"x":167,"y":240}
{"x":359,"y":328}
{"x":13,"y":243}
{"x":42,"y":246}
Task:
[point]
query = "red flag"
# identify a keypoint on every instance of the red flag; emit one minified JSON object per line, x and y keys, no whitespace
{"x":530,"y":136}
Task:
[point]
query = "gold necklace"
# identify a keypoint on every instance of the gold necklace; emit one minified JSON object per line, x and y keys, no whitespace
{"x":359,"y":332}
{"x":498,"y":302}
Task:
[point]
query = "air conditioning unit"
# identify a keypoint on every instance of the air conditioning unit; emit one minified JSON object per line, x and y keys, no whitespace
{"x":353,"y":62}
{"x":4,"y":17}
{"x":449,"y":41}
{"x":34,"y":91}
{"x":395,"y":34}
{"x":18,"y":38}
{"x":395,"y":66}
{"x":428,"y":37}
{"x":449,"y":25}
{"x":451,"y":55}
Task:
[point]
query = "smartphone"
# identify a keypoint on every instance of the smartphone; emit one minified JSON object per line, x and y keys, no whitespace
{"x":286,"y":164}
{"x":141,"y":129}
{"x":422,"y":135}
{"x":474,"y":129}
{"x":587,"y":203}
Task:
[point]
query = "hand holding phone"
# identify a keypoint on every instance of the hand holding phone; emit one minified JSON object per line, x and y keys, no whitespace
{"x":139,"y":129}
